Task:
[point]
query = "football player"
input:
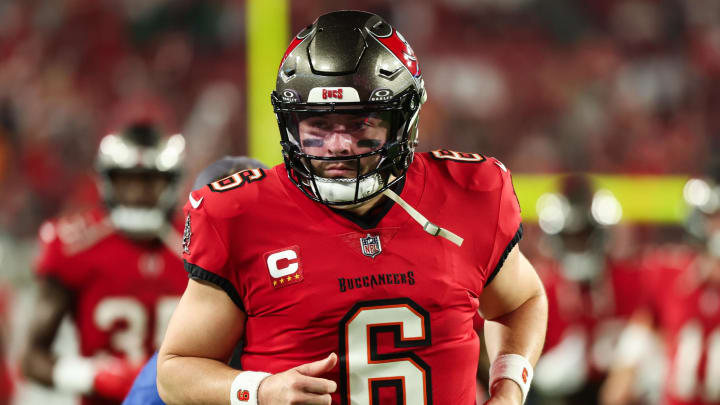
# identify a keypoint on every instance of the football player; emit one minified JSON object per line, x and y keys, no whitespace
{"x":682,"y":291}
{"x":114,"y":270}
{"x":590,"y":280}
{"x":144,"y":390}
{"x":365,"y":262}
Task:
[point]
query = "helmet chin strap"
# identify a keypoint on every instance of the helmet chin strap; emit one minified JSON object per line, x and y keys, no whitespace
{"x":343,"y":190}
{"x":427,"y":226}
{"x":141,"y":222}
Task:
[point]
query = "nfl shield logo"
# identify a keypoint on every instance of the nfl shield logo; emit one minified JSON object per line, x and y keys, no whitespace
{"x":370,"y":245}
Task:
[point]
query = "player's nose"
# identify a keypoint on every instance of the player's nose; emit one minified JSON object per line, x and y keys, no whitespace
{"x":338,"y":143}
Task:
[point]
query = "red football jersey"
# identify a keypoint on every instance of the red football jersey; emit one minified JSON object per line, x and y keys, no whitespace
{"x":687,"y":312}
{"x":598,"y":309}
{"x":124,"y":292}
{"x":394,"y":302}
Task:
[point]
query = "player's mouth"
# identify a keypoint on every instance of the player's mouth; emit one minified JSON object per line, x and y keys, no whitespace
{"x":338,"y":171}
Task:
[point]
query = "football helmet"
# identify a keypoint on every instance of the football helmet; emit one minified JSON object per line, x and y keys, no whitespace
{"x":143,"y":154}
{"x":358,"y":67}
{"x":576,"y":221}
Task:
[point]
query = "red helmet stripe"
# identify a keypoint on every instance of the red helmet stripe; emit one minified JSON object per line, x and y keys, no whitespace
{"x":402,"y":50}
{"x":295,"y":42}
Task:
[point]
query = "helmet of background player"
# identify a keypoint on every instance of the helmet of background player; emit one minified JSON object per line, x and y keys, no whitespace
{"x":703,"y":222}
{"x":576,"y":221}
{"x":357,"y":67}
{"x":139,"y":169}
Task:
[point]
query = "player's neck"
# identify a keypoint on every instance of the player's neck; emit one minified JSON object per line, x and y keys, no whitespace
{"x":364,"y":207}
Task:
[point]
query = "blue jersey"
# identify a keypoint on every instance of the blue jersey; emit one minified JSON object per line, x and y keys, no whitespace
{"x":144,"y":390}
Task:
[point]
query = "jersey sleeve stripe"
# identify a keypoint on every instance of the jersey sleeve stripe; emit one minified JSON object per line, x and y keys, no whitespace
{"x":196,"y":272}
{"x":514,"y":241}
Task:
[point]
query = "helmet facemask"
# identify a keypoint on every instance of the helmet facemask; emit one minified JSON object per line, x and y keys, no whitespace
{"x":371,"y":163}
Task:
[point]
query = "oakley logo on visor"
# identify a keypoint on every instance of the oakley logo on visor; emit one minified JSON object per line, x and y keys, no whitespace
{"x":333,"y":94}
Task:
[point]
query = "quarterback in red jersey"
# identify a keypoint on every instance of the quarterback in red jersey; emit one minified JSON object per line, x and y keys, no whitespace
{"x":343,"y":291}
{"x":683,"y":307}
{"x":115,"y":270}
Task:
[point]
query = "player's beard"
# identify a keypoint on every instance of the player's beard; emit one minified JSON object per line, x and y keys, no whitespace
{"x":342,"y":187}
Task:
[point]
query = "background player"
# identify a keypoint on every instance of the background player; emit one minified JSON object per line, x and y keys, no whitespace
{"x":682,"y":306}
{"x":144,"y":390}
{"x":591,"y":278}
{"x":114,"y":270}
{"x":342,"y":283}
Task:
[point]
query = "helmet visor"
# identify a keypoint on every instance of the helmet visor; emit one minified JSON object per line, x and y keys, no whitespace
{"x":342,"y":133}
{"x":340,"y":144}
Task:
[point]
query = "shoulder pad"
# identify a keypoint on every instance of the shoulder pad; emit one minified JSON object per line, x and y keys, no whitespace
{"x":77,"y":232}
{"x":472,"y":171}
{"x":228,"y":196}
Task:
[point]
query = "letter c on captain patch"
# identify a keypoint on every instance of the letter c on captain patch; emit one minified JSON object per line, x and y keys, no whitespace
{"x":284,"y":266}
{"x":282,"y":263}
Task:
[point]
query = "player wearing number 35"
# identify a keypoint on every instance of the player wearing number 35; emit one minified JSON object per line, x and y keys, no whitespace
{"x":115,"y":270}
{"x":354,"y":270}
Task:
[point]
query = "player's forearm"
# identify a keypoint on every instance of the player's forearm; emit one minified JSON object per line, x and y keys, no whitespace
{"x":194,"y":380}
{"x":521,"y":331}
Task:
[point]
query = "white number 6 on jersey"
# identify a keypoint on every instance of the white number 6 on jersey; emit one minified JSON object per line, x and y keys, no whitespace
{"x":363,"y":370}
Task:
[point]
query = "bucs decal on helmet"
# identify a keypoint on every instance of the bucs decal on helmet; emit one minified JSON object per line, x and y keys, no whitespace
{"x":397,"y":44}
{"x":333,"y":94}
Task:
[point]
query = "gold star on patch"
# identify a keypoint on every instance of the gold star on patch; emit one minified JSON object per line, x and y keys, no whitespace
{"x":297,"y":276}
{"x":274,"y":282}
{"x":282,"y":280}
{"x":289,"y":279}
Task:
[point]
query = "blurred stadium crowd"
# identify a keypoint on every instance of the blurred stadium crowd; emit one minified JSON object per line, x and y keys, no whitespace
{"x":548,"y":86}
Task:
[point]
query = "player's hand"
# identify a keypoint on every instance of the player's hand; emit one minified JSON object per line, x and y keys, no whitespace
{"x":505,"y":392}
{"x":300,"y":385}
{"x":114,"y":377}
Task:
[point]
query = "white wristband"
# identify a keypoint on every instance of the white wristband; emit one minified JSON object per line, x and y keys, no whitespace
{"x":512,"y":367}
{"x":73,"y":374}
{"x":244,"y":389}
{"x":634,"y":342}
